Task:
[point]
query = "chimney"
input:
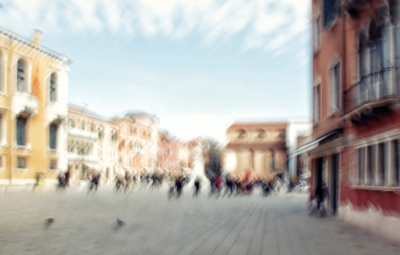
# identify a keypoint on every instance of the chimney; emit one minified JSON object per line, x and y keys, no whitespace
{"x":37,"y":37}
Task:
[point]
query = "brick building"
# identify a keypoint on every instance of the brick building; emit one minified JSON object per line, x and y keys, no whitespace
{"x":356,"y":114}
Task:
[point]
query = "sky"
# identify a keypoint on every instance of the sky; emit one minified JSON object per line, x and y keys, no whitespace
{"x":198,"y":65}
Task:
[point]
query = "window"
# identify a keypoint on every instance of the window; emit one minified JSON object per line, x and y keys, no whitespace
{"x":317,"y":33}
{"x":72,"y":123}
{"x":83,"y":125}
{"x":53,"y":136}
{"x":273,"y":159}
{"x":382,"y":164}
{"x":331,"y":8}
{"x":131,"y":145}
{"x":261,"y":134}
{"x":100,"y":133}
{"x":371,"y":164}
{"x":361,"y":166}
{"x":21,"y":130}
{"x":336,"y":87}
{"x":242,"y":134}
{"x":53,"y":164}
{"x":131,"y":129}
{"x":396,"y":163}
{"x":92,"y":127}
{"x":21,"y":75}
{"x":53,"y":87}
{"x":317,"y":103}
{"x":113,"y":135}
{"x":21,"y":163}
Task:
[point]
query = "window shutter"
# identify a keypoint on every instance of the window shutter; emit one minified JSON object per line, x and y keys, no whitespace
{"x":53,"y":136}
{"x":21,"y":124}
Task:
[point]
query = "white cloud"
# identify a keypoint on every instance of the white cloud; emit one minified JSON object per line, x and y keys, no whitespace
{"x":267,"y":24}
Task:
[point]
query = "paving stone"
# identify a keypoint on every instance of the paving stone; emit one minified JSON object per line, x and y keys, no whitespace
{"x":155,"y":225}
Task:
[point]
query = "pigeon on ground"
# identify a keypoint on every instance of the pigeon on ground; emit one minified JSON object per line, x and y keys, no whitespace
{"x":50,"y":220}
{"x":120,"y":222}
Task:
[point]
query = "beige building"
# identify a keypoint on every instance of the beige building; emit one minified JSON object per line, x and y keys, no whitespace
{"x":92,"y":144}
{"x":138,"y":142}
{"x":33,"y":109}
{"x":259,"y":148}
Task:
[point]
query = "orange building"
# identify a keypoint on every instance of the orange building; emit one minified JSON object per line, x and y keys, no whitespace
{"x":258,"y":148}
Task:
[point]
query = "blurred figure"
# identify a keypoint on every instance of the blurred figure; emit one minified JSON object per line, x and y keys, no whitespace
{"x":67,"y":177}
{"x":197,"y":184}
{"x":229,"y":185}
{"x":212,"y":184}
{"x":61,"y":180}
{"x":119,"y":182}
{"x":321,"y":193}
{"x":171,"y":187}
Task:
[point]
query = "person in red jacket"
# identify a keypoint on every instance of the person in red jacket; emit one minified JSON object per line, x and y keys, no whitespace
{"x":218,"y":183}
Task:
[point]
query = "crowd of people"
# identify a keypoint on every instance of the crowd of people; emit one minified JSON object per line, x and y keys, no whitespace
{"x":227,"y":185}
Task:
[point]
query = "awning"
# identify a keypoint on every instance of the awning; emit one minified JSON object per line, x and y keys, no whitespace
{"x":311,"y":145}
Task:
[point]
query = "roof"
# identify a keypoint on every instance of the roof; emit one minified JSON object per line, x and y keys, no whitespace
{"x":28,"y":43}
{"x":140,"y":113}
{"x":258,"y":124}
{"x":84,"y":111}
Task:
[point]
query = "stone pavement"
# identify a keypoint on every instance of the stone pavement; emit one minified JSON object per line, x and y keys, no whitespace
{"x":86,"y":224}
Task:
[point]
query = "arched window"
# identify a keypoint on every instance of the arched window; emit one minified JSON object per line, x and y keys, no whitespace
{"x":242,"y":134}
{"x":53,"y":87}
{"x":113,"y":135}
{"x":101,"y":133}
{"x":21,"y":75}
{"x":261,"y":134}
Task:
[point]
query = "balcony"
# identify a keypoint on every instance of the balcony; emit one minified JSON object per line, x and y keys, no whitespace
{"x":73,"y":157}
{"x":83,"y":134}
{"x":56,"y":111}
{"x":372,"y":96}
{"x":24,"y":103}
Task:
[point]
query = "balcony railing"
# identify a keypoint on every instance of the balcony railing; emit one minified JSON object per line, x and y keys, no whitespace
{"x":75,"y":132}
{"x":374,"y":87}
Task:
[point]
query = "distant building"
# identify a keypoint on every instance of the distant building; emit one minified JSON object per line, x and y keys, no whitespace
{"x":295,"y":133}
{"x":259,"y":148}
{"x":92,"y":144}
{"x":137,"y":142}
{"x":111,"y":146}
{"x":33,"y":110}
{"x":168,"y":153}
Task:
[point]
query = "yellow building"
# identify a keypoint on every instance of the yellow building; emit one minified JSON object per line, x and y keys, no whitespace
{"x":33,"y":109}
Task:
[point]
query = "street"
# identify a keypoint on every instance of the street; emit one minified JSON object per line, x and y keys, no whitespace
{"x":152,"y":224}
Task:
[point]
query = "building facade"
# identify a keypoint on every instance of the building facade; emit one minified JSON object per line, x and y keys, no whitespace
{"x":138,"y":142}
{"x":33,"y":110}
{"x":356,"y":113}
{"x":258,"y":148}
{"x":92,"y":144}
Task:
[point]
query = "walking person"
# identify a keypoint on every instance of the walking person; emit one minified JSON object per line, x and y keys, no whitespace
{"x":196,"y":187}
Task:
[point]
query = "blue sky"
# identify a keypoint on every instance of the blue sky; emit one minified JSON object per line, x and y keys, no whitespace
{"x":196,"y":64}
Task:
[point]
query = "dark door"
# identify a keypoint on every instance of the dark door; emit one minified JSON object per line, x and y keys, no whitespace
{"x":333,"y":189}
{"x":319,"y":173}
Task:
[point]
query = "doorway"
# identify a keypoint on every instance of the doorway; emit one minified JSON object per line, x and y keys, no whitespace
{"x":333,"y":185}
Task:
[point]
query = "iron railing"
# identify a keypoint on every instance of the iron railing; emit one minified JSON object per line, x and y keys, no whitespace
{"x":373,"y":87}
